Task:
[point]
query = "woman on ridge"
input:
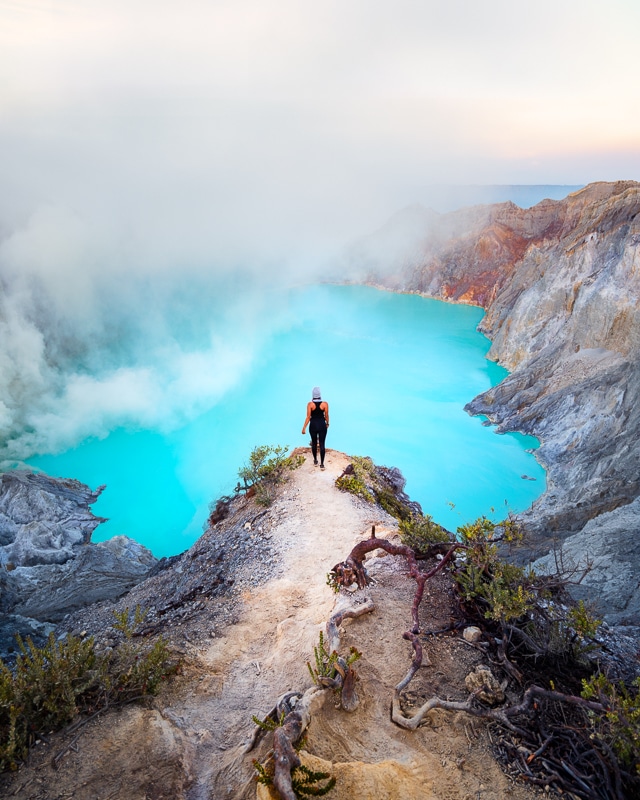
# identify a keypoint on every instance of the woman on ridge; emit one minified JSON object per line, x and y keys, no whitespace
{"x":318,"y":422}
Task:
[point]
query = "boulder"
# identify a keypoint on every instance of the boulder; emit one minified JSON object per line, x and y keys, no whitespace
{"x":48,"y":565}
{"x":483,"y":683}
{"x":103,"y":571}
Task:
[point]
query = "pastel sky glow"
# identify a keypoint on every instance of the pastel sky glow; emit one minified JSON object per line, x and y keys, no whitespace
{"x":303,"y":122}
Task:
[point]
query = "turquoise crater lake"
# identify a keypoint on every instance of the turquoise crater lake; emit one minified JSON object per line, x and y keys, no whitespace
{"x":396,"y":370}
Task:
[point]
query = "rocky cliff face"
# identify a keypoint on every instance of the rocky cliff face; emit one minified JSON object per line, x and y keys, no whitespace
{"x":43,"y":520}
{"x":560,"y":283}
{"x":48,"y":565}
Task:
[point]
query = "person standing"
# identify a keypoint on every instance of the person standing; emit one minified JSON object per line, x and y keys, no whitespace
{"x":318,"y":422}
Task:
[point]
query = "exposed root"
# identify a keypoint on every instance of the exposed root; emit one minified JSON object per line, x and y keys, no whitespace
{"x":349,"y":699}
{"x":285,"y":737}
{"x":354,"y":606}
{"x":352,"y":570}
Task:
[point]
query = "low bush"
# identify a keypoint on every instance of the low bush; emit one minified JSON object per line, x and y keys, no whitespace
{"x":267,"y":468}
{"x":421,"y":532}
{"x":48,"y":686}
{"x":358,"y":478}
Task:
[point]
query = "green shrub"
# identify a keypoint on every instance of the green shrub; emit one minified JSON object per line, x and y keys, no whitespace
{"x":50,"y":685}
{"x":620,"y":726}
{"x":304,"y":782}
{"x":420,"y":532}
{"x":354,"y":485}
{"x":133,"y":669}
{"x":391,"y":504}
{"x":267,"y":468}
{"x":505,"y":592}
{"x":359,"y":480}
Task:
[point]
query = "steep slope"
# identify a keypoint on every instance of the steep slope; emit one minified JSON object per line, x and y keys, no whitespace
{"x":560,"y":283}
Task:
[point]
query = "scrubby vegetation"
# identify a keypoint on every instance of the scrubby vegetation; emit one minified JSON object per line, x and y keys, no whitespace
{"x":376,"y":485}
{"x":420,"y":532}
{"x":327,"y":664}
{"x":359,"y":479}
{"x":49,"y":686}
{"x":266,"y":469}
{"x":574,"y":728}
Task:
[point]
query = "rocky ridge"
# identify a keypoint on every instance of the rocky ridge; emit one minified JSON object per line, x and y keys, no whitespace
{"x":244,"y":607}
{"x":560,"y":284}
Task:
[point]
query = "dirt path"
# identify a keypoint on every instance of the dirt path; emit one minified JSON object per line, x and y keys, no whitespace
{"x":265,"y":654}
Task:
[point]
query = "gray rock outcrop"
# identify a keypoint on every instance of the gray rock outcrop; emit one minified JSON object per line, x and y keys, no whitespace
{"x":48,"y":565}
{"x":609,"y":547}
{"x":101,"y":571}
{"x":43,"y":520}
{"x":560,"y":283}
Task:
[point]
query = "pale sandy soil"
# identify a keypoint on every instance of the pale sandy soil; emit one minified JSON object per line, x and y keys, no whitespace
{"x":190,"y":742}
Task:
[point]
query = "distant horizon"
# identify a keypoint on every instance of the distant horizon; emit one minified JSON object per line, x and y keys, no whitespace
{"x":235,"y":134}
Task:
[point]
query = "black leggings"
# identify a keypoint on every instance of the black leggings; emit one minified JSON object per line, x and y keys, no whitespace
{"x":318,"y":435}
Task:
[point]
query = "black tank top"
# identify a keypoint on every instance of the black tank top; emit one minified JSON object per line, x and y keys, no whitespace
{"x":317,"y":413}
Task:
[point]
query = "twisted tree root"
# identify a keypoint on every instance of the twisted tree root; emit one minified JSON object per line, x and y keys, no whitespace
{"x":345,"y":574}
{"x":285,"y":757}
{"x":501,"y":715}
{"x":352,"y":569}
{"x":356,"y":606}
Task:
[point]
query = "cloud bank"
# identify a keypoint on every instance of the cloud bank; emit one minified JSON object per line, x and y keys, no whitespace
{"x":165,"y":166}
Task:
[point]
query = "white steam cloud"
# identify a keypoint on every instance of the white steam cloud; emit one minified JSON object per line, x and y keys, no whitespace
{"x":93,"y":337}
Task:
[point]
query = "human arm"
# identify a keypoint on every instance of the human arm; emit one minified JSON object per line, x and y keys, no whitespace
{"x":308,"y":419}
{"x":325,"y":408}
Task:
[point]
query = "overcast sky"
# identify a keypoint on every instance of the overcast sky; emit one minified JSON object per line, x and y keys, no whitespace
{"x":234,"y":125}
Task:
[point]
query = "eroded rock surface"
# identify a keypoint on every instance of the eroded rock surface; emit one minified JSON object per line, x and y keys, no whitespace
{"x":43,"y":520}
{"x":48,"y":565}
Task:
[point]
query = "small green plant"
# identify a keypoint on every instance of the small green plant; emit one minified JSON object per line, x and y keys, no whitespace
{"x":324,"y":661}
{"x":126,"y":622}
{"x":478,"y":533}
{"x":509,"y":597}
{"x":268,"y":723}
{"x":267,"y":468}
{"x":43,"y":691}
{"x":374,"y":484}
{"x":582,"y":621}
{"x":620,"y":726}
{"x":391,"y":504}
{"x":304,"y":782}
{"x":505,"y":592}
{"x":420,"y":532}
{"x":133,"y":669}
{"x":353,"y":656}
{"x":359,"y":478}
{"x":332,"y":582}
